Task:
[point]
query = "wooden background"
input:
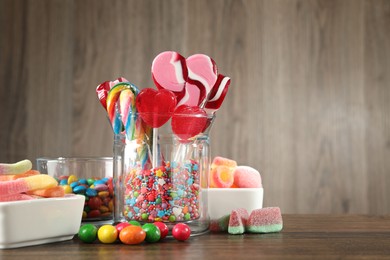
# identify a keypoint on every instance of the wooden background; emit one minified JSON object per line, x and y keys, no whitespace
{"x":309,"y":104}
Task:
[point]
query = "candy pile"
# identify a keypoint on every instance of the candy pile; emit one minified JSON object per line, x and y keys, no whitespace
{"x":98,"y":192}
{"x":132,"y":233}
{"x":265,"y":220}
{"x":225,"y":173}
{"x":189,"y":92}
{"x":167,"y":193}
{"x":19,"y":182}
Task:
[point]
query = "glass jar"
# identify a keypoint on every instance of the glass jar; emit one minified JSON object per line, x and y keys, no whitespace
{"x":163,"y":175}
{"x":88,"y":176}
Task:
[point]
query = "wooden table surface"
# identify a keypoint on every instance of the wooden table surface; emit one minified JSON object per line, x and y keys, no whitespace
{"x":303,"y":237}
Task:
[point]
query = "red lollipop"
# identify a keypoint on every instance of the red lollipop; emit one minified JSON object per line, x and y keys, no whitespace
{"x":155,"y":107}
{"x":169,"y":71}
{"x":188,"y":121}
{"x":217,"y":94}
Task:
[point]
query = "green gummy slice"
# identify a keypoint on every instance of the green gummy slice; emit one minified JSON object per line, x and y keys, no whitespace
{"x":265,"y":229}
{"x":238,"y":230}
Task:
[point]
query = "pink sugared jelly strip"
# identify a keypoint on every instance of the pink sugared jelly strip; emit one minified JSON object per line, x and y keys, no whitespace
{"x":41,"y":181}
{"x":217,"y":94}
{"x":169,"y":71}
{"x":202,"y":72}
{"x":15,"y":197}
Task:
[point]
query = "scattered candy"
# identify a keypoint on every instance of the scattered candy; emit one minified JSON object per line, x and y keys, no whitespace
{"x":107,"y":234}
{"x":220,"y":225}
{"x":15,"y":168}
{"x":153,"y":233}
{"x":181,"y":231}
{"x":121,"y":226}
{"x":132,"y":235}
{"x":247,"y":177}
{"x":237,"y":221}
{"x":266,"y":220}
{"x":164,"y":230}
{"x":88,"y":233}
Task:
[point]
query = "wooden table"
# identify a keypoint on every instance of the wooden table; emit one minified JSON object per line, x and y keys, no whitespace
{"x":303,"y":237}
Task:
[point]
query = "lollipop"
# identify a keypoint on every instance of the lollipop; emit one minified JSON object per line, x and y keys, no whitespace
{"x":169,"y":72}
{"x":217,"y":94}
{"x":202,"y":72}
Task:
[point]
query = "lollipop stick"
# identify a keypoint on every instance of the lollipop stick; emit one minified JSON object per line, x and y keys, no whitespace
{"x":155,"y":148}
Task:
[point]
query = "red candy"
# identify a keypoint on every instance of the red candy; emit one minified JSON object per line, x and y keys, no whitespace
{"x":155,"y":106}
{"x":188,"y":121}
{"x":163,"y":229}
{"x":181,"y":232}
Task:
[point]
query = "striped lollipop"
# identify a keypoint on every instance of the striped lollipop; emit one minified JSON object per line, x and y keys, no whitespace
{"x":217,"y":94}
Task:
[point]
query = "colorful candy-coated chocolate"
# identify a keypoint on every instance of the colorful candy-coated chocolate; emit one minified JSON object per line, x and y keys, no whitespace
{"x":121,"y":226}
{"x":132,"y":235}
{"x":169,"y":71}
{"x":99,"y":194}
{"x":181,"y":232}
{"x":164,"y":230}
{"x":155,"y":107}
{"x":153,"y":233}
{"x":15,"y":168}
{"x":107,"y":234}
{"x":88,"y":233}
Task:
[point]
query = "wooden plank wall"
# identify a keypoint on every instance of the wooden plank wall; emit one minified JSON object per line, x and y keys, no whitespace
{"x":309,"y":104}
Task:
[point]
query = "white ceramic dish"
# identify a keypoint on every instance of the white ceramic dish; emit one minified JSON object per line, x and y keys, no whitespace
{"x":223,"y":201}
{"x":39,"y":221}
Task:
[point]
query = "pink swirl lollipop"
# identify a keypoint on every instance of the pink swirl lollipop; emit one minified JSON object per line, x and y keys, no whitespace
{"x":193,"y":95}
{"x":202,"y":72}
{"x":169,"y":72}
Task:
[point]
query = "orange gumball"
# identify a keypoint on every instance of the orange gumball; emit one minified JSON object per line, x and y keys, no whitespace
{"x":132,"y":235}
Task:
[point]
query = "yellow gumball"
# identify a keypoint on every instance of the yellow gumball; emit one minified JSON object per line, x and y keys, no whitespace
{"x":107,"y":234}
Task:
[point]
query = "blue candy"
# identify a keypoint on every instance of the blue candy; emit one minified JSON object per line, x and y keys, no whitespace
{"x":79,"y":189}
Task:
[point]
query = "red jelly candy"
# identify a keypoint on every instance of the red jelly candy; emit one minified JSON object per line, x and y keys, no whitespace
{"x":155,"y":107}
{"x":188,"y":121}
{"x":94,"y":202}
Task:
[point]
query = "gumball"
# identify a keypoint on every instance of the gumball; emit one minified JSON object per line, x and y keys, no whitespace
{"x":181,"y":232}
{"x":134,"y":223}
{"x":163,"y":229}
{"x":132,"y":235}
{"x":152,"y":232}
{"x":87,"y":233}
{"x":121,"y":226}
{"x":107,"y":234}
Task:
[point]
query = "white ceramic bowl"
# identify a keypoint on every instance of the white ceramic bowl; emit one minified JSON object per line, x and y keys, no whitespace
{"x":39,"y":221}
{"x":223,"y":201}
